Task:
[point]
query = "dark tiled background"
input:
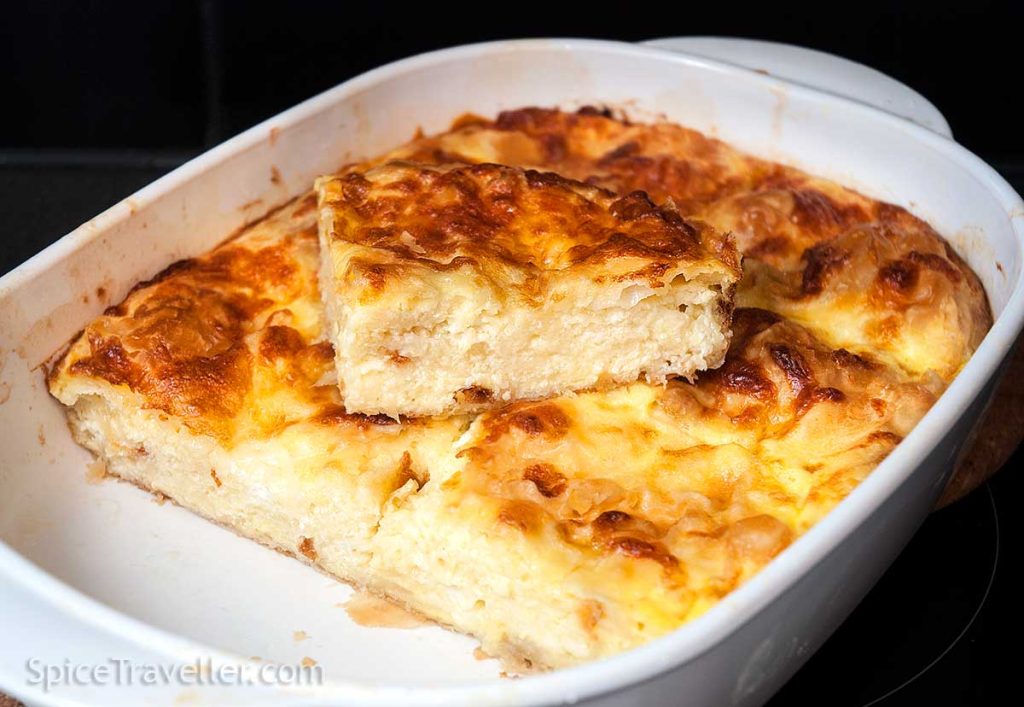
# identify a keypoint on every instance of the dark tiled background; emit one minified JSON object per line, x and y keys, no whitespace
{"x":131,"y":89}
{"x":185,"y":74}
{"x":98,"y":99}
{"x":135,"y":88}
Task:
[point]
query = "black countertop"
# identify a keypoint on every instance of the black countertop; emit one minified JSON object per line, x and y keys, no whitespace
{"x":941,"y":627}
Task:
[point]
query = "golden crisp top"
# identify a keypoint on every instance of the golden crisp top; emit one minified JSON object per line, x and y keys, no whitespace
{"x":862,"y":274}
{"x":664,"y":160}
{"x":231,"y":343}
{"x":699,"y":484}
{"x":513,"y":225}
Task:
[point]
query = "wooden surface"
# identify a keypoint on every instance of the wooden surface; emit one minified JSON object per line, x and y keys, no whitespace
{"x":998,"y":435}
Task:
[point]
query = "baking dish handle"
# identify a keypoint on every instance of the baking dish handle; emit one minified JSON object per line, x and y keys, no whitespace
{"x":817,"y":70}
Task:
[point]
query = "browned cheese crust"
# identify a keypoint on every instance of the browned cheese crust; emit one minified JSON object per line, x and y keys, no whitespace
{"x":230,"y":345}
{"x":511,"y":226}
{"x":198,"y":340}
{"x":862,"y":274}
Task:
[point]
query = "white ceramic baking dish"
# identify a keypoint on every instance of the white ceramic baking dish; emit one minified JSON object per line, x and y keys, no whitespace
{"x":98,"y":572}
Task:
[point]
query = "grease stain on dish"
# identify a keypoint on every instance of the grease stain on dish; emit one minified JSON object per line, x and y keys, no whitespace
{"x":95,"y":472}
{"x":779,"y":111}
{"x":5,"y":387}
{"x":372,"y":611}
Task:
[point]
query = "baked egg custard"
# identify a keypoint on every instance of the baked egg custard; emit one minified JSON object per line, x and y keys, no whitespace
{"x":571,"y":527}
